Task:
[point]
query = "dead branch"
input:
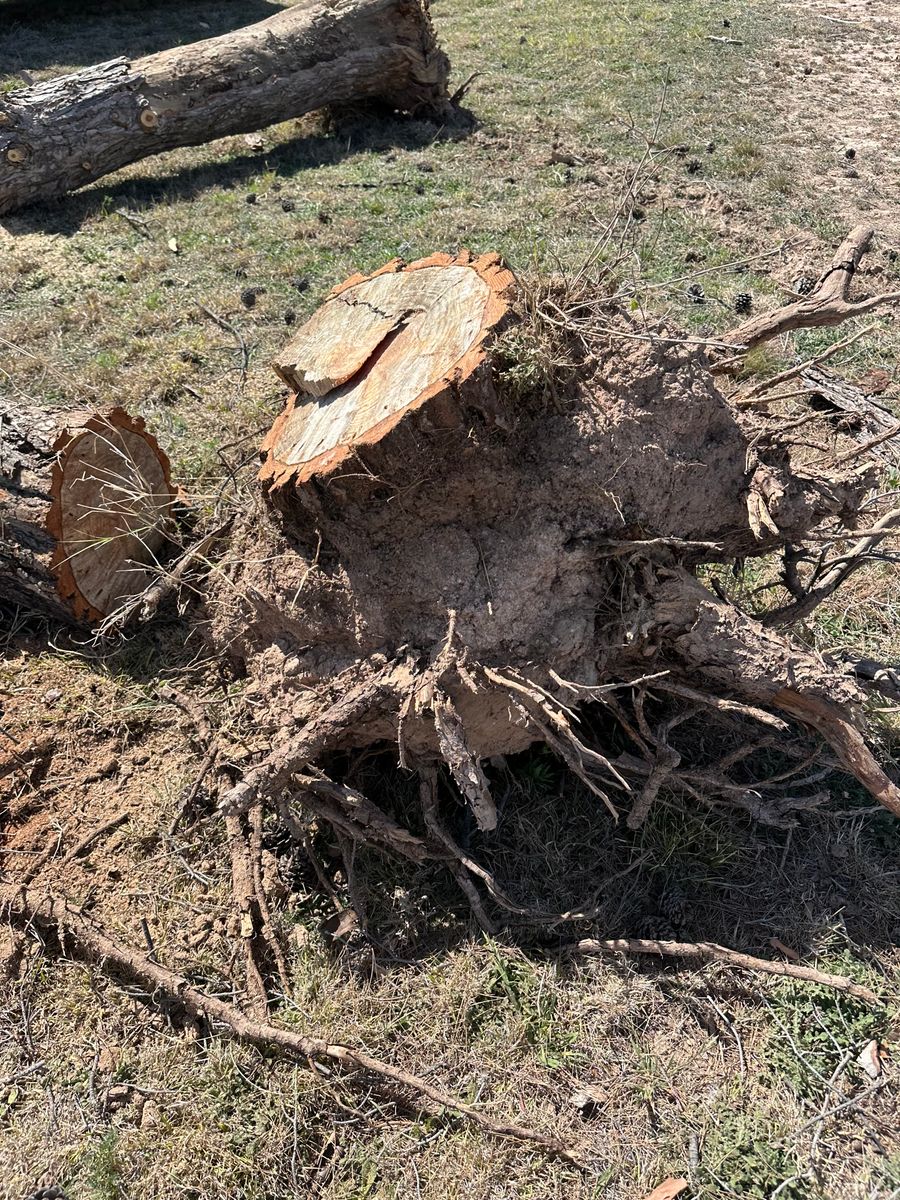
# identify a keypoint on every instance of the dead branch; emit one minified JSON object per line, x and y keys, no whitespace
{"x":837,"y":572}
{"x":76,"y":936}
{"x":712,"y":952}
{"x":827,"y":304}
{"x":246,"y":911}
{"x":356,"y":817}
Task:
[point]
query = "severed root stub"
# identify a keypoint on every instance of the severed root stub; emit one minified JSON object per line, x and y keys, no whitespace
{"x":87,"y":504}
{"x":452,"y":566}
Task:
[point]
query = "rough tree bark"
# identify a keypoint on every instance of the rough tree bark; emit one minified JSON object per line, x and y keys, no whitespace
{"x":447,"y":564}
{"x":66,"y":132}
{"x":86,"y":500}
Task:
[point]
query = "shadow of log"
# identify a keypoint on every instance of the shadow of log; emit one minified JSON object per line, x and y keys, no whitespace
{"x":37,"y":34}
{"x":356,"y":133}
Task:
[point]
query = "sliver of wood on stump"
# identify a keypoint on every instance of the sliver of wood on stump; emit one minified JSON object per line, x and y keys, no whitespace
{"x":87,"y":498}
{"x":403,"y":340}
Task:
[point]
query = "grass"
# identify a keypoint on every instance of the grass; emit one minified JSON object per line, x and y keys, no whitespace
{"x":698,"y":1074}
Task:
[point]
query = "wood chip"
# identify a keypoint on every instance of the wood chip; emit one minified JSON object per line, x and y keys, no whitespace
{"x":668,"y":1189}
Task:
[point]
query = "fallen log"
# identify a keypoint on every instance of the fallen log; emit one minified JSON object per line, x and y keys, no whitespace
{"x":86,"y":502}
{"x":63,"y":133}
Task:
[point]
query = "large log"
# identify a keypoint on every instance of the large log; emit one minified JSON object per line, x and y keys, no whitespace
{"x":86,"y":501}
{"x":66,"y":132}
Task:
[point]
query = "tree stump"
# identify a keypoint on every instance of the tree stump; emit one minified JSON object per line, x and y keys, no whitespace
{"x":61,"y":134}
{"x":87,"y":499}
{"x":452,"y":567}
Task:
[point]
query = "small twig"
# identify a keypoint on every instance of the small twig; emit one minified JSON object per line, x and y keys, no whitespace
{"x":844,"y":1062}
{"x":134,"y":220}
{"x":191,"y":794}
{"x":839,"y":570}
{"x":148,"y":939}
{"x":460,"y":92}
{"x":254,"y":843}
{"x":793,"y":372}
{"x":145,"y":603}
{"x":236,"y":334}
{"x":100,"y":831}
{"x":864,"y":447}
{"x":711,"y":952}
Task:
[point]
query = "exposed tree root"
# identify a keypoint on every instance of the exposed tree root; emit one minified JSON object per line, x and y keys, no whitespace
{"x":846,"y":741}
{"x":375,"y":694}
{"x":57,"y":919}
{"x":711,"y":952}
{"x":247,"y":912}
{"x":716,"y":640}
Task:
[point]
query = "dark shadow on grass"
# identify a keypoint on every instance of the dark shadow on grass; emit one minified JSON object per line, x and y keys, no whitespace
{"x":825,"y":883}
{"x":36,"y":34}
{"x":376,"y":129}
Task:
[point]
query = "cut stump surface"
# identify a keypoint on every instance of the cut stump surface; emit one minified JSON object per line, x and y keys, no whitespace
{"x":382,"y":346}
{"x":86,"y":503}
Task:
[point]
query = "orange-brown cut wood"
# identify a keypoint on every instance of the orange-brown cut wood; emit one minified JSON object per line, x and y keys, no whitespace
{"x":380,"y":347}
{"x":86,"y":500}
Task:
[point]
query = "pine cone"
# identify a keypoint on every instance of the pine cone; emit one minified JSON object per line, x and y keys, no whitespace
{"x":743,"y":302}
{"x":696,"y":294}
{"x":804,"y":284}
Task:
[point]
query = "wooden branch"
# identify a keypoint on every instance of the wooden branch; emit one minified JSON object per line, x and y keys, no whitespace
{"x":712,"y":952}
{"x":76,"y":936}
{"x":842,"y":568}
{"x":827,"y":304}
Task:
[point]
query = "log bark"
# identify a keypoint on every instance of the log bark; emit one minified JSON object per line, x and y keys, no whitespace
{"x":86,"y":499}
{"x":63,"y":133}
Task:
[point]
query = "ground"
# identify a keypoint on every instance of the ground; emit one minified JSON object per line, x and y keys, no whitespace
{"x":772,"y":128}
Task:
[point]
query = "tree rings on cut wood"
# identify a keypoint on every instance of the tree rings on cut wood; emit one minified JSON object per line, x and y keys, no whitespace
{"x":111,"y":501}
{"x":406,"y":339}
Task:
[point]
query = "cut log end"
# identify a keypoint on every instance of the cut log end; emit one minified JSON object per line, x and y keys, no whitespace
{"x":402,"y":340}
{"x":111,"y":501}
